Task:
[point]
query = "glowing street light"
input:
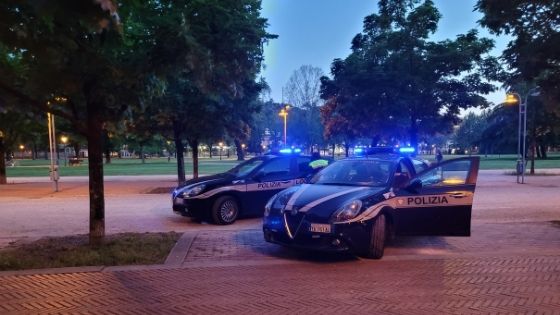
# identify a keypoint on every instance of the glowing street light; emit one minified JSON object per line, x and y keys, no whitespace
{"x":21,"y":147}
{"x":64,"y":140}
{"x":284,"y":113}
{"x":221,"y":145}
{"x":513,"y":98}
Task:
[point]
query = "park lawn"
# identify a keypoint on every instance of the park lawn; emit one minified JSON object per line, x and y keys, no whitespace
{"x":128,"y":166}
{"x":74,"y":251}
{"x":160,"y":166}
{"x":507,"y":161}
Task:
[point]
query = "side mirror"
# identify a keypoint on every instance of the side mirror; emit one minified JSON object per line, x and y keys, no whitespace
{"x":415,"y":186}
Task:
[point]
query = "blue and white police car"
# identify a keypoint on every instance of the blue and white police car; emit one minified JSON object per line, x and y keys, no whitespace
{"x":243,"y":190}
{"x":356,"y":204}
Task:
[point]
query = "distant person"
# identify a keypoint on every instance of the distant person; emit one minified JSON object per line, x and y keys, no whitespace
{"x":439,"y":156}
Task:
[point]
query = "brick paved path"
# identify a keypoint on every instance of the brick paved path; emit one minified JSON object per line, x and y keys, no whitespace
{"x":502,"y":268}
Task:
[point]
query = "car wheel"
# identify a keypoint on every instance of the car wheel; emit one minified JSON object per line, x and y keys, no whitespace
{"x":378,"y":235}
{"x":225,"y":210}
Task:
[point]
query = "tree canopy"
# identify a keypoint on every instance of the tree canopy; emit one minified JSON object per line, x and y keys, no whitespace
{"x":533,"y":54}
{"x":398,"y":83}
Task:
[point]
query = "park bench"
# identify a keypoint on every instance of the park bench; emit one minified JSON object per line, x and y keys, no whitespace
{"x":74,"y":161}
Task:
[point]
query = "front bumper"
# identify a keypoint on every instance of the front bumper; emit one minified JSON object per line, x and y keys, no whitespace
{"x":197,"y":208}
{"x":283,"y":230}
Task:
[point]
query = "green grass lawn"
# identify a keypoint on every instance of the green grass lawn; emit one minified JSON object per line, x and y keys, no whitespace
{"x":507,"y":161}
{"x":160,"y":166}
{"x":128,"y":166}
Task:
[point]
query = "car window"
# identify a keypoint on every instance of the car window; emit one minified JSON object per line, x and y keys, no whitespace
{"x":246,"y":167}
{"x":419,"y":166}
{"x":402,"y":175}
{"x":276,"y":167}
{"x":355,"y":172}
{"x":303,"y":167}
{"x":448,"y":174}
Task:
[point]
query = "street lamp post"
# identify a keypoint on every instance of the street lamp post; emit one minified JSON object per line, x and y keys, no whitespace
{"x":52,"y":148}
{"x":221,"y":146}
{"x":284,"y":113}
{"x":515,"y":98}
{"x":64,"y":140}
{"x":21,"y":147}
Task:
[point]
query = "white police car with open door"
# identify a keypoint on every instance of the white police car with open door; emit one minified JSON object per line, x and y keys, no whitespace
{"x":356,"y":204}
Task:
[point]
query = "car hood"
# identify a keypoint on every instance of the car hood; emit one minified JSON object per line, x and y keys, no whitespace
{"x":321,"y":201}
{"x":212,"y":180}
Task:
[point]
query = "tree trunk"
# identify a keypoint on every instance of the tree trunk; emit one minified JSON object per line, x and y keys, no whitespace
{"x":107,"y":157}
{"x":346,"y":149}
{"x":533,"y":148}
{"x":179,"y":148}
{"x":3,"y":179}
{"x":96,"y":190}
{"x":142,"y":157}
{"x":77,"y":150}
{"x":194,"y":145}
{"x":333,"y":149}
{"x":34,"y":152}
{"x":542,"y":148}
{"x":239,"y":148}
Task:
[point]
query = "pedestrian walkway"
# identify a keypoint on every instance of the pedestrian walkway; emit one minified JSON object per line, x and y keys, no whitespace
{"x":501,"y":268}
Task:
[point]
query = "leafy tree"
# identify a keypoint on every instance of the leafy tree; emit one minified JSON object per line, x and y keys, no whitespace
{"x":533,"y":54}
{"x":337,"y":127}
{"x":469,"y":133}
{"x":303,"y":94}
{"x":500,"y":132}
{"x":303,"y":87}
{"x":208,"y":89}
{"x":97,"y":65}
{"x":398,"y":83}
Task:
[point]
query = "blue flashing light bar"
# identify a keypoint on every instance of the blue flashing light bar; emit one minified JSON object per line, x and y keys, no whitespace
{"x":406,"y":150}
{"x":290,"y":151}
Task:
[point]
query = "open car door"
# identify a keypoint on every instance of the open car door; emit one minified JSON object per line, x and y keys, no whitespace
{"x":438,"y":200}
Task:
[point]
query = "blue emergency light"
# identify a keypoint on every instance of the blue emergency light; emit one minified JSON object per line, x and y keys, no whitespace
{"x":290,"y":150}
{"x":406,"y":150}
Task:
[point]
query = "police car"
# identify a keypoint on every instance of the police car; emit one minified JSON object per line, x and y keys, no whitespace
{"x":243,"y":190}
{"x":356,"y":204}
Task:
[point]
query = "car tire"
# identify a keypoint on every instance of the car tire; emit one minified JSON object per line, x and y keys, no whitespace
{"x":378,"y":237}
{"x":225,"y":210}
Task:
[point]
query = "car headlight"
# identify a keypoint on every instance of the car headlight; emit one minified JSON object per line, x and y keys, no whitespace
{"x":282,"y":200}
{"x":193,"y":191}
{"x":347,"y":212}
{"x":269,"y":205}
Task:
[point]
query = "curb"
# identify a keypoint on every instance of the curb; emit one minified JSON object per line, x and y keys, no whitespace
{"x":179,"y":252}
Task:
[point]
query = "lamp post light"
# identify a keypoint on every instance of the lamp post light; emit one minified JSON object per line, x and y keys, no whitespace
{"x":21,"y":147}
{"x":284,"y":113}
{"x":515,"y":98}
{"x":221,"y":145}
{"x":64,"y":140}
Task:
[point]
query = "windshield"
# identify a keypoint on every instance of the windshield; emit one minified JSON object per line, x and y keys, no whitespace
{"x":246,"y":167}
{"x":355,"y":173}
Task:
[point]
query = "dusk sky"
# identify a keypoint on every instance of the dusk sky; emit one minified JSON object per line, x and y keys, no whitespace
{"x":314,"y":32}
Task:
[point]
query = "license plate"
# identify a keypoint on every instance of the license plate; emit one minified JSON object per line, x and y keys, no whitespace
{"x":320,"y":228}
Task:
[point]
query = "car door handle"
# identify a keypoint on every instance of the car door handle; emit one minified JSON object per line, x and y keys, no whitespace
{"x":458,"y":195}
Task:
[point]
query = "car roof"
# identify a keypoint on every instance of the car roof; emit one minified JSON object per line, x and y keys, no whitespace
{"x":384,"y":157}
